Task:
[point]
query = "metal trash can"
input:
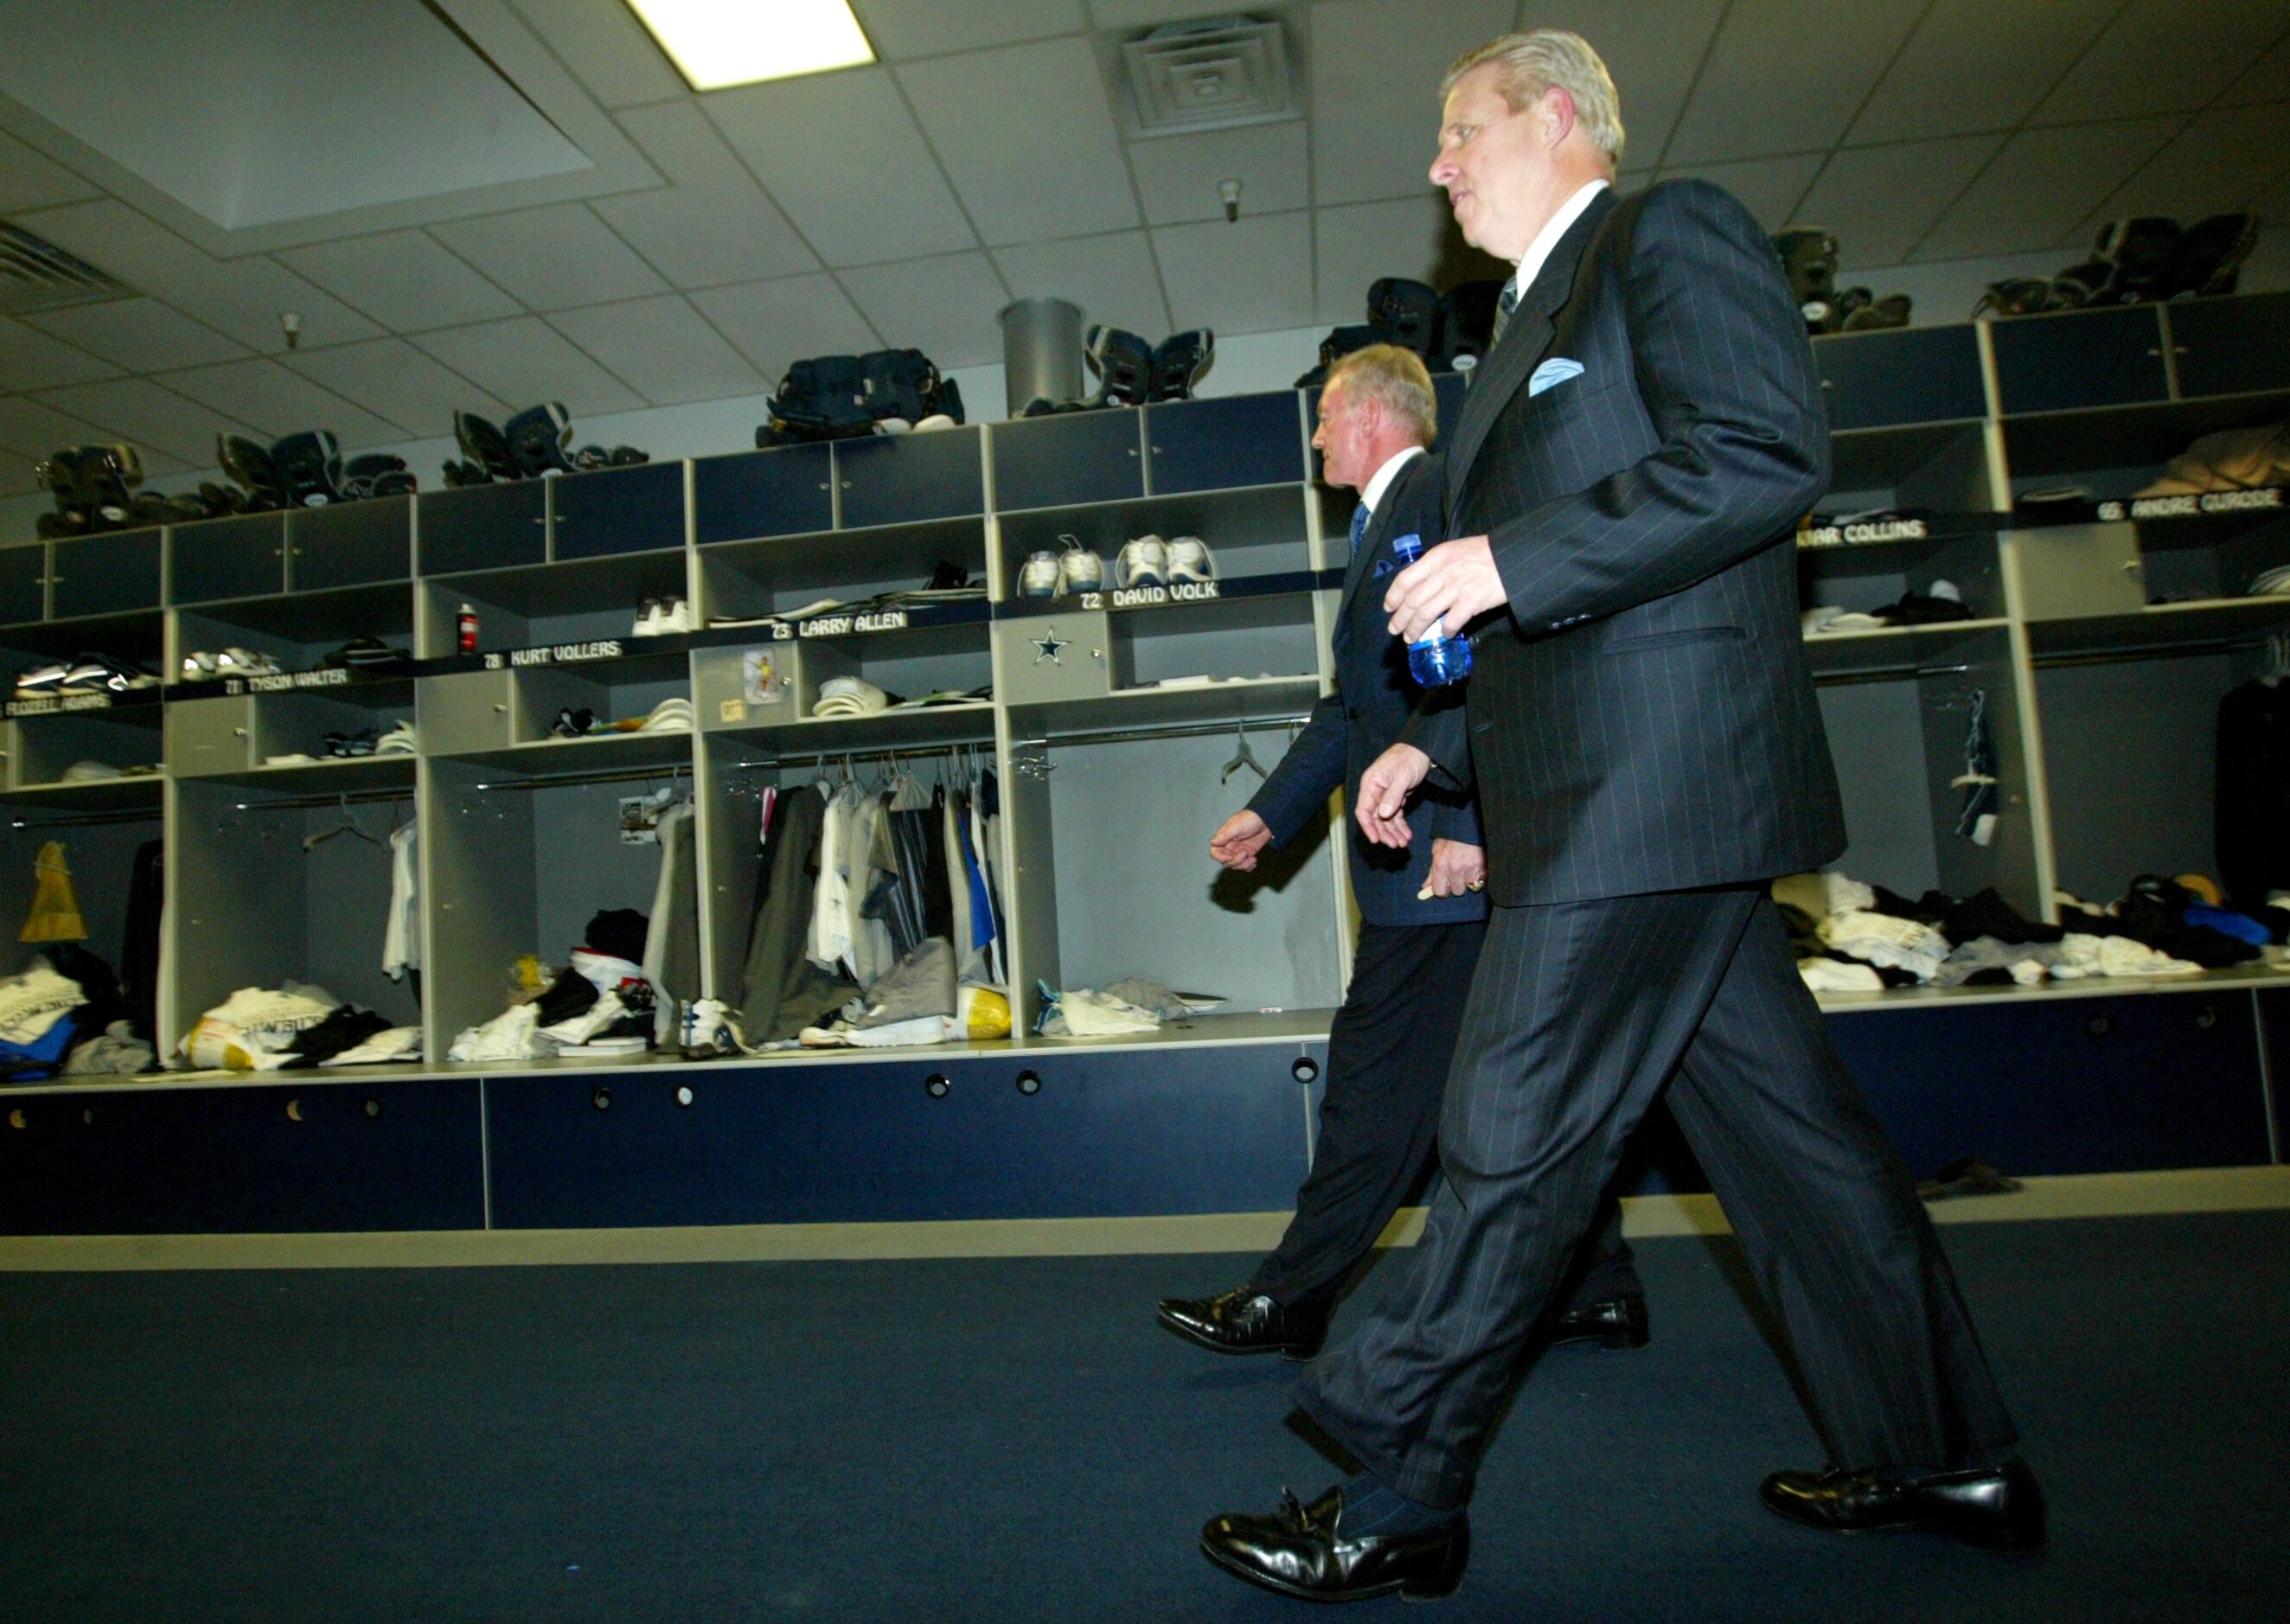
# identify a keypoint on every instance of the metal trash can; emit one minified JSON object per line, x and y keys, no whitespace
{"x":1041,"y":351}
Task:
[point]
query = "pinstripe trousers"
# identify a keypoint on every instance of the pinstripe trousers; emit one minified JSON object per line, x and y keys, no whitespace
{"x":1579,"y":1016}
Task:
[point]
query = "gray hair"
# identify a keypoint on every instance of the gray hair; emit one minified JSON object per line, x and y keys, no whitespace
{"x":1395,"y":379}
{"x":1545,"y":59}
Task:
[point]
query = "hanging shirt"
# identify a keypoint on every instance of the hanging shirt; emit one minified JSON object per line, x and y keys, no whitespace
{"x":401,"y":934}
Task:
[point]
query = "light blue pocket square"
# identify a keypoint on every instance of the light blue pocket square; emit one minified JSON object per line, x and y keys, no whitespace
{"x":1552,"y":373}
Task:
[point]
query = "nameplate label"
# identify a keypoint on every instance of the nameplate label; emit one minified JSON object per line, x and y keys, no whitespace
{"x":1865,"y":534}
{"x":2191,"y":507}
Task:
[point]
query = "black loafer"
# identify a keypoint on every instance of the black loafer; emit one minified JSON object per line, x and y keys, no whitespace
{"x":1618,"y":1323}
{"x":1996,"y":1508}
{"x":1245,"y":1321}
{"x":1301,"y":1551}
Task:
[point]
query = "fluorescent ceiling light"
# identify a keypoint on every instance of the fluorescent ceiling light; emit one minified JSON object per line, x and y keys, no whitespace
{"x":717,"y":43}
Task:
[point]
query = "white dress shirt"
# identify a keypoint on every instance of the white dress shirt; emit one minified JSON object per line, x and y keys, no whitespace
{"x":1381,"y":482}
{"x":1547,"y":239}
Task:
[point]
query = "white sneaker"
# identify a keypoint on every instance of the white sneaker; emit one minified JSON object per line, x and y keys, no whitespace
{"x":1079,"y":570}
{"x":1040,"y":576}
{"x":1190,"y":560}
{"x":245,"y":662}
{"x":398,"y":740}
{"x":934,"y":423}
{"x":647,"y":620}
{"x":675,"y":618}
{"x":1143,"y":563}
{"x":197,"y":667}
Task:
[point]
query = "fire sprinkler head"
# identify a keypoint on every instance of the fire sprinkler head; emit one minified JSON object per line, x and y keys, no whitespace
{"x":1229,"y":190}
{"x":293,"y":323}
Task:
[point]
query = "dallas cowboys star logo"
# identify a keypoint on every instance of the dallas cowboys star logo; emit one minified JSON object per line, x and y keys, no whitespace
{"x":1048,"y":647}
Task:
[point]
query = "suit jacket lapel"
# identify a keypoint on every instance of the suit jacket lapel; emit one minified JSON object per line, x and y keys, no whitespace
{"x":1372,"y":540}
{"x":1507,"y":368}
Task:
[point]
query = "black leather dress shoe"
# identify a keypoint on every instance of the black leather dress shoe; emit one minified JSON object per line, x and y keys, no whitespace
{"x":1619,"y":1323}
{"x":1997,"y":1508}
{"x":1245,"y":1320}
{"x":1302,"y":1551}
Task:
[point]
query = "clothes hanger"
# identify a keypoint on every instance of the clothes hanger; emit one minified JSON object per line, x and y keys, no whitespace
{"x":1243,"y":757}
{"x":348,"y":826}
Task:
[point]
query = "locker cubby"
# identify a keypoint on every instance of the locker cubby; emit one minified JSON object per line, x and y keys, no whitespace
{"x":297,"y":630}
{"x":1867,"y":578}
{"x":507,"y":715}
{"x":2113,"y":452}
{"x":752,"y":579}
{"x":297,"y":724}
{"x":2210,"y":556}
{"x":592,"y":600}
{"x":1898,"y":708}
{"x":1113,"y":877}
{"x":519,"y":858}
{"x":1260,"y":531}
{"x":128,"y":737}
{"x":256,"y":900}
{"x":138,"y":636}
{"x":1937,"y":468}
{"x":99,"y":847}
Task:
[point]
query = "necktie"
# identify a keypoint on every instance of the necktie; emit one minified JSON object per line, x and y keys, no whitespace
{"x":1359,"y":527}
{"x":1504,"y":306}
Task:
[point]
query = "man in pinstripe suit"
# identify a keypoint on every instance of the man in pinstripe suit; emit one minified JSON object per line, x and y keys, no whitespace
{"x":1648,"y":753}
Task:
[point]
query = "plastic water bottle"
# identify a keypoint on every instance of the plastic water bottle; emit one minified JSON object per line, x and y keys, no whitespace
{"x":1435,"y":658}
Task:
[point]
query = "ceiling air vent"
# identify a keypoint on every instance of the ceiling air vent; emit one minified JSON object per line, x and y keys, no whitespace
{"x":1209,"y":74}
{"x":35,"y":275}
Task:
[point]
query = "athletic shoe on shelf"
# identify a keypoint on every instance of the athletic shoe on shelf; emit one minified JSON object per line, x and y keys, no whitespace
{"x":199,"y":668}
{"x":675,"y":618}
{"x":1190,"y":560}
{"x":673,"y":716}
{"x":364,"y":653}
{"x":1079,"y":570}
{"x":344,"y":746}
{"x":43,"y":681}
{"x":573,"y":723}
{"x":1040,"y":576}
{"x":1143,"y":563}
{"x":399,"y":740}
{"x":647,"y":620}
{"x":934,"y":423}
{"x":91,"y":772}
{"x":245,"y":662}
{"x":102,"y":674}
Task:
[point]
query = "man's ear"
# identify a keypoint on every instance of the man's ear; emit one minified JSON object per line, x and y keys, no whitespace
{"x":1554,"y":115}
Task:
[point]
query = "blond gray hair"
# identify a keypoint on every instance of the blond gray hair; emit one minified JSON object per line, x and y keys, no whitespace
{"x":1395,"y":379}
{"x":1546,"y":59}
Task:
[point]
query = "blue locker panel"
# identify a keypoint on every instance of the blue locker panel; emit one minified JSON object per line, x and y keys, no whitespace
{"x":896,"y":479}
{"x":350,"y":544}
{"x":1907,"y":375}
{"x":635,"y":509}
{"x":23,"y":583}
{"x":2231,"y":345}
{"x":1222,"y":445}
{"x":1057,"y":461}
{"x":483,"y":527}
{"x":2066,"y":1085}
{"x":2089,"y":358}
{"x":106,"y":575}
{"x":244,"y":557}
{"x":786,"y":492}
{"x":1150,"y":1132}
{"x":232,"y":1161}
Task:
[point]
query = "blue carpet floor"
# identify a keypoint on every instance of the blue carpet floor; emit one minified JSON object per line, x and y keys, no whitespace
{"x":1015,"y":1440}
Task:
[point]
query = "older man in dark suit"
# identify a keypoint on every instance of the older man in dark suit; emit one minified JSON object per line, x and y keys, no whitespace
{"x":1648,"y":754}
{"x":1422,"y":909}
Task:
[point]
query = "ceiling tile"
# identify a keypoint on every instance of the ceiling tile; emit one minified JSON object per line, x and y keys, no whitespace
{"x":139,"y":410}
{"x":774,"y":323}
{"x":1056,"y":172}
{"x":1177,"y":175}
{"x":1361,"y":242}
{"x":2041,"y":186}
{"x":2165,"y":56}
{"x":2219,"y":161}
{"x":243,"y":298}
{"x":1144,"y":13}
{"x":2267,"y":80}
{"x":1652,"y":52}
{"x":525,"y":362}
{"x":1975,"y":65}
{"x":31,"y":179}
{"x":29,"y":359}
{"x":279,"y":402}
{"x":396,"y":381}
{"x":31,"y":429}
{"x":405,"y":280}
{"x":16,"y":477}
{"x":1768,"y":188}
{"x":905,"y":29}
{"x":945,"y":307}
{"x":1376,"y":68}
{"x":663,"y":348}
{"x":553,"y":258}
{"x":1253,"y":276}
{"x":1878,"y":201}
{"x":711,"y":224}
{"x":806,"y":138}
{"x":139,"y":334}
{"x":1782,"y":80}
{"x":607,"y":48}
{"x":1112,"y":278}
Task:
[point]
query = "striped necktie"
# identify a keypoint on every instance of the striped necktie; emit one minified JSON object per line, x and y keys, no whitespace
{"x":1504,"y":306}
{"x":1359,"y":527}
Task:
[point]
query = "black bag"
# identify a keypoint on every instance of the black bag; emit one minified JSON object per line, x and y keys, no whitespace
{"x":840,"y":398}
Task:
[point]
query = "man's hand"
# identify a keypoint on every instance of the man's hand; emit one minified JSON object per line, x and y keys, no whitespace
{"x":1383,"y":791}
{"x":1238,"y":839}
{"x":1455,"y":868}
{"x":1454,"y":583}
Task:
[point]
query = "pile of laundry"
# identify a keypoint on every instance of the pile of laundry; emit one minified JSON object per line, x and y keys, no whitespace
{"x":601,"y":1003}
{"x":289,"y":1026}
{"x":919,"y":1000}
{"x":1129,"y":1005}
{"x":65,"y":1015}
{"x":1854,"y":938}
{"x":1941,"y":605}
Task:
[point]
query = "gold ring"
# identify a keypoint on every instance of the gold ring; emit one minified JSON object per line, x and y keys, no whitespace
{"x":1476,"y":885}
